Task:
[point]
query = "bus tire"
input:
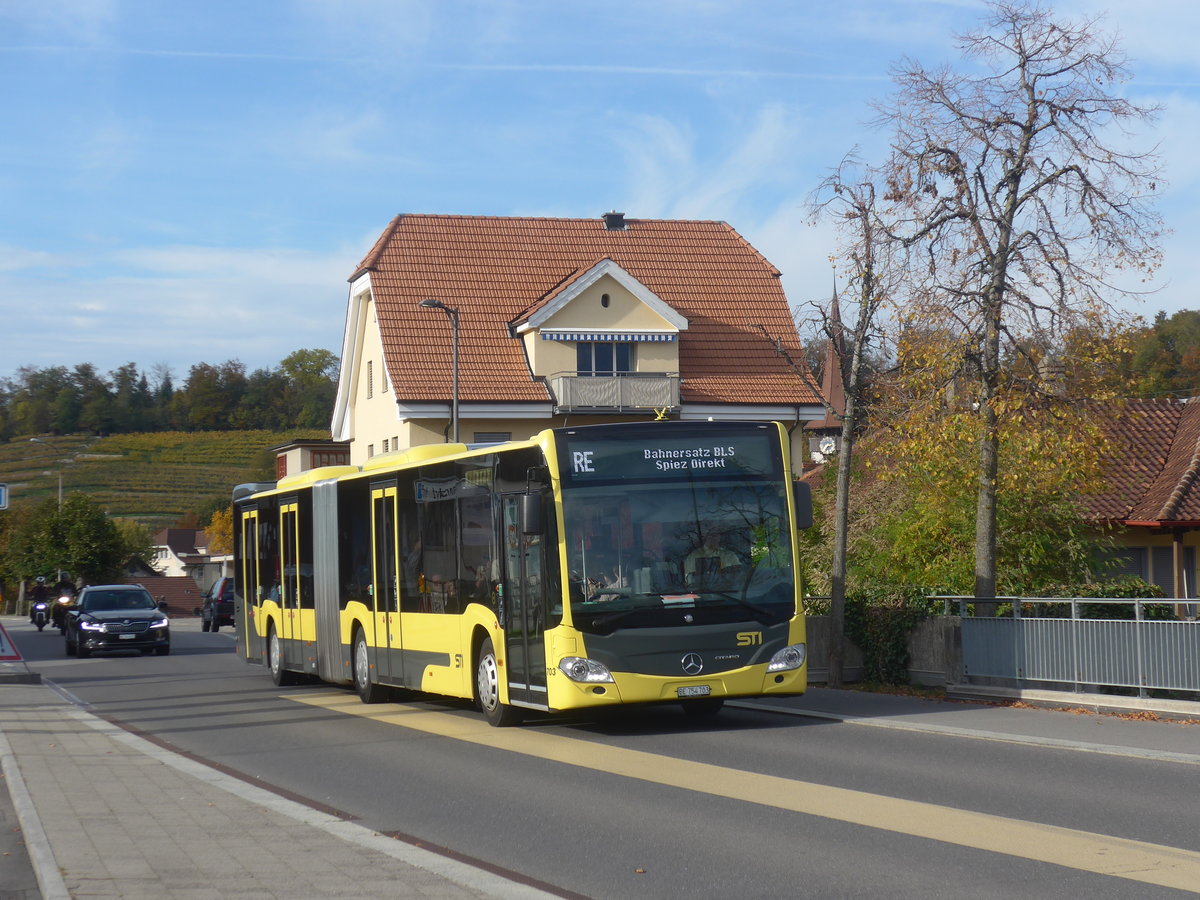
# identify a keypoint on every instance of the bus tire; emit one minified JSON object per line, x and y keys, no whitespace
{"x":368,"y":690}
{"x":281,"y":676}
{"x":487,"y":689}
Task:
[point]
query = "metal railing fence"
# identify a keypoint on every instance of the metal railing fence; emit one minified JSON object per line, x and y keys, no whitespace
{"x":1069,"y":640}
{"x":618,"y":391}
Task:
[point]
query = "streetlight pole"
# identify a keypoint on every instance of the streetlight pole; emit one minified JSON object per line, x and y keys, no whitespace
{"x":452,"y":313}
{"x":34,"y":440}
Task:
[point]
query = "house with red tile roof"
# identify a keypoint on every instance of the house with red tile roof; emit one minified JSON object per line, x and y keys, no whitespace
{"x":1152,"y":492}
{"x":562,"y":321}
{"x":180,"y":552}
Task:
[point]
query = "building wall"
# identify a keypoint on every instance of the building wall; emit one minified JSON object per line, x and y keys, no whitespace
{"x":374,"y":406}
{"x":624,"y":311}
{"x":376,"y":425}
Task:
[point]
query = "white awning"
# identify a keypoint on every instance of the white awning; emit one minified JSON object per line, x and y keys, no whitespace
{"x":607,"y":336}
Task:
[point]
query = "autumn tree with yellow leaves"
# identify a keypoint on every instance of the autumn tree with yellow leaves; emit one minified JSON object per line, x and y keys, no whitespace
{"x":1016,"y":196}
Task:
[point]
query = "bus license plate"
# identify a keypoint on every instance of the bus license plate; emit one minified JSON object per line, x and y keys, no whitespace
{"x":694,"y":690}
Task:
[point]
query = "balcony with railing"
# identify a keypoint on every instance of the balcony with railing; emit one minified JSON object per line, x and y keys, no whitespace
{"x":617,"y":392}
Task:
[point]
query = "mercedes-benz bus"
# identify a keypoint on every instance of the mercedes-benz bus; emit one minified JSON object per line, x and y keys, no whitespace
{"x":588,"y":566}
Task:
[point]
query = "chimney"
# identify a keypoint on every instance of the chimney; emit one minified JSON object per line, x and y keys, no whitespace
{"x":614,"y":221}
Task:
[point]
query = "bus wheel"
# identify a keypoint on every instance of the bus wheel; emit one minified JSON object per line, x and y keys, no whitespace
{"x":487,"y":689}
{"x":281,"y":676}
{"x":709,"y":706}
{"x":368,"y":691}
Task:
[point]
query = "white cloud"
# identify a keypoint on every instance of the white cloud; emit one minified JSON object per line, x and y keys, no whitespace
{"x":180,"y":306}
{"x":16,"y":259}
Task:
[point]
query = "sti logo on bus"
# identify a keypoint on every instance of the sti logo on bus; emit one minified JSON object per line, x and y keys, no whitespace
{"x":581,"y":460}
{"x":749,"y":638}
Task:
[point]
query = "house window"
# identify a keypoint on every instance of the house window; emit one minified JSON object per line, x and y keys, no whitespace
{"x":603,"y":357}
{"x":492,"y":437}
{"x":385,"y":445}
{"x":370,"y":450}
{"x":370,"y":379}
{"x":1162,"y":561}
{"x":1126,"y":561}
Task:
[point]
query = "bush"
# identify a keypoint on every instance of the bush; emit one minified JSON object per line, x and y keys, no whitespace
{"x":879,"y":621}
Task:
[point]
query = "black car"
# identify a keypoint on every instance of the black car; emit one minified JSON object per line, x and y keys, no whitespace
{"x":217,"y":609}
{"x":116,"y":617}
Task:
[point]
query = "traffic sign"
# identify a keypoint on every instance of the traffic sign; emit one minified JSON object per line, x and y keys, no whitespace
{"x":8,"y":650}
{"x":3,"y":496}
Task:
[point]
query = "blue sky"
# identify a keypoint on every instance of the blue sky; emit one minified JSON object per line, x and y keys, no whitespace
{"x":193,"y":181}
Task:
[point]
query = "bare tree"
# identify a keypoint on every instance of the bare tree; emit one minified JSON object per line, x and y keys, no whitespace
{"x":1020,"y":198}
{"x":849,"y":197}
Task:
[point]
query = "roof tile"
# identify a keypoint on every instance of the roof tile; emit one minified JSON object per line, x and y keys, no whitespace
{"x":496,"y":270}
{"x":1152,"y":473}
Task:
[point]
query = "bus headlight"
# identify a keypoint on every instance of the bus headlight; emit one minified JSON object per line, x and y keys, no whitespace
{"x":791,"y":657}
{"x":585,"y":671}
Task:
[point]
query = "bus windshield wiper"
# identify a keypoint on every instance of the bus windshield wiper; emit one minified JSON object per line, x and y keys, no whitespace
{"x":606,"y":619}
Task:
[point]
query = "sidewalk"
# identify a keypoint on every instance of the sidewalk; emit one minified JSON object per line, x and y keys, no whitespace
{"x":107,"y":814}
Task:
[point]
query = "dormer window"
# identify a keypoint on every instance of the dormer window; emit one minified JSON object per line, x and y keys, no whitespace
{"x":605,"y":300}
{"x":603,"y":357}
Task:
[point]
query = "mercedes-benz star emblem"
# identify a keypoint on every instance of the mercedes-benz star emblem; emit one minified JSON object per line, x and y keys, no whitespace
{"x":693,"y":664}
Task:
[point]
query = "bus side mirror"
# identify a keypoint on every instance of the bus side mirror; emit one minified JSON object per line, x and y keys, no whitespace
{"x":531,"y":514}
{"x":802,"y":496}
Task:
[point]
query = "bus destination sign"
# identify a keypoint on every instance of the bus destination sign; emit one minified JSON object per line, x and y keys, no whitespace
{"x":640,"y":458}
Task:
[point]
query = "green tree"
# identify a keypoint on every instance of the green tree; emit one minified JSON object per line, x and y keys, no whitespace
{"x":311,"y":387}
{"x":77,"y":538}
{"x":93,"y":396}
{"x":210,"y":396}
{"x":136,"y":540}
{"x":1165,"y":357}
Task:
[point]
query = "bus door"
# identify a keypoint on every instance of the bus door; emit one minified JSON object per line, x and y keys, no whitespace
{"x":385,"y":585}
{"x":522,"y":608}
{"x":291,"y":582}
{"x":248,"y":593}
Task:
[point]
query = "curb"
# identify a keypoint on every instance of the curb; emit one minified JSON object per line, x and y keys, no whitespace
{"x":37,"y":845}
{"x":1099,"y":703}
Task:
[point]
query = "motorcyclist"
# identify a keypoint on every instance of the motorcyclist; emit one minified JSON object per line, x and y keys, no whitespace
{"x":41,"y":593}
{"x":64,"y":593}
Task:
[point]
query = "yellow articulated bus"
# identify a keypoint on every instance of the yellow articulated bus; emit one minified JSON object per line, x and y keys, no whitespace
{"x":585,"y":567}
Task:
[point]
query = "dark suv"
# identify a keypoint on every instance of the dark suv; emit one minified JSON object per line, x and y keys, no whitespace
{"x":218,"y":605}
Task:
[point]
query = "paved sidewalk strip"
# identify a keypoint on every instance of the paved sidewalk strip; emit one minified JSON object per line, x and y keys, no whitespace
{"x":129,"y":819}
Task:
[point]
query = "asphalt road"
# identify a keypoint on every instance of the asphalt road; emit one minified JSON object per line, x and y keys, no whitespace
{"x":648,"y":803}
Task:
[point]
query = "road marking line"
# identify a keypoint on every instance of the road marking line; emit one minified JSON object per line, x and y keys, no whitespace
{"x":1086,"y":851}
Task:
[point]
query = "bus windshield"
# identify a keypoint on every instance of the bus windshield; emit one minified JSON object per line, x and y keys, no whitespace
{"x":637,"y":554}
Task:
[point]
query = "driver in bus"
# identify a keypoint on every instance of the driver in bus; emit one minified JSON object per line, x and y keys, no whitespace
{"x":708,"y":559}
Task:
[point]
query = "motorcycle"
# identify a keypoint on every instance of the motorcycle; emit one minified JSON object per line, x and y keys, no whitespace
{"x":59,"y":614}
{"x":41,"y":614}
